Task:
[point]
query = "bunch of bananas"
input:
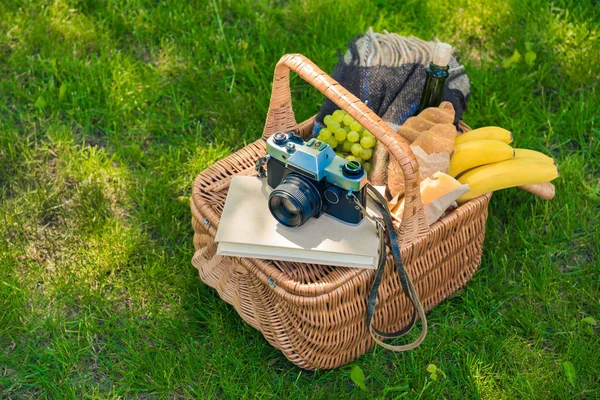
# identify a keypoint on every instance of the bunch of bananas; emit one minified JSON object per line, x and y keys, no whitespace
{"x":483,"y":159}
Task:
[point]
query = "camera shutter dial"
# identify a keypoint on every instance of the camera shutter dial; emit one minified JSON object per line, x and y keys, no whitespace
{"x":352,"y":169}
{"x":280,"y":138}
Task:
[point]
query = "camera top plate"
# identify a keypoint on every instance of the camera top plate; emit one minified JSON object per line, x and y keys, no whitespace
{"x":313,"y":158}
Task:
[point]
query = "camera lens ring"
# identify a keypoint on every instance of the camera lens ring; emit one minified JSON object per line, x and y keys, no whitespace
{"x":294,"y":201}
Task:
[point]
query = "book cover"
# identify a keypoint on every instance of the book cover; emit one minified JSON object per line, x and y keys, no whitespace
{"x":247,"y":229}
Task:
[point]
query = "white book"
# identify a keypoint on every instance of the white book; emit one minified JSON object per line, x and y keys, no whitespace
{"x":247,"y":229}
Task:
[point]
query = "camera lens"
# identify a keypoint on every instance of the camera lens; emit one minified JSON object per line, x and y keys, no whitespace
{"x":294,"y":201}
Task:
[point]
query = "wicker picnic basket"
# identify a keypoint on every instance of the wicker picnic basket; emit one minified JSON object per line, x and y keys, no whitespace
{"x":315,"y":314}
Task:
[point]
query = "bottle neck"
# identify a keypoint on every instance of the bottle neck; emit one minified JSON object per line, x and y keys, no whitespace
{"x":438,"y":70}
{"x":433,"y":90}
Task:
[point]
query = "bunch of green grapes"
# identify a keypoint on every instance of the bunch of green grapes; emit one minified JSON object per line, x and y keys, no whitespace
{"x":348,"y":138}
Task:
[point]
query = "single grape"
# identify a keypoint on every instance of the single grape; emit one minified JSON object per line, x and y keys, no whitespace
{"x":325,"y":134}
{"x":356,"y":149}
{"x":332,"y":142}
{"x":366,"y":154}
{"x":353,"y":136}
{"x":346,"y":146}
{"x":365,"y":132}
{"x":350,"y":157}
{"x":348,"y":120}
{"x":332,"y":125}
{"x":327,"y":119}
{"x":367,"y":167}
{"x":338,"y":115}
{"x":340,"y":135}
{"x":359,"y":159}
{"x":356,"y":126}
{"x":367,"y":142}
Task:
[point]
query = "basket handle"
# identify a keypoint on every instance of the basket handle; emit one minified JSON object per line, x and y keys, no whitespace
{"x":281,"y":118}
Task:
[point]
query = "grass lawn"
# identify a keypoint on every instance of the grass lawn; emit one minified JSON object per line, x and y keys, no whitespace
{"x":109,"y":109}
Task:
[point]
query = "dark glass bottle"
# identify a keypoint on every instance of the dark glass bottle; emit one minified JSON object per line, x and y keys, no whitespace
{"x":434,"y":87}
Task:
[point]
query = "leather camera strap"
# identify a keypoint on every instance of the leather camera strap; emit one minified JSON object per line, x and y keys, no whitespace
{"x":407,"y":285}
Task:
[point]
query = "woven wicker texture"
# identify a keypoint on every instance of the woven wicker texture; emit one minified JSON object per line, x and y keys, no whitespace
{"x":315,"y":314}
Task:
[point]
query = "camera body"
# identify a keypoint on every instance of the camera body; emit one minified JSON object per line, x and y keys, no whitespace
{"x":309,"y":179}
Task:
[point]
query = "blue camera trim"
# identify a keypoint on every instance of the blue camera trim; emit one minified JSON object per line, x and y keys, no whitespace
{"x":313,"y":158}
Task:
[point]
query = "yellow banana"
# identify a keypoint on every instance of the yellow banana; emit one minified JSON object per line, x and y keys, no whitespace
{"x":526,"y":153}
{"x":487,"y":132}
{"x":478,"y":152}
{"x":505,"y":174}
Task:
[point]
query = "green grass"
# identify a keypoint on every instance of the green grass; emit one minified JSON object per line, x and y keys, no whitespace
{"x":108,"y":110}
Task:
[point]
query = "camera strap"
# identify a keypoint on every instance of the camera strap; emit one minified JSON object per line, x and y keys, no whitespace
{"x":259,"y":166}
{"x":385,"y":224}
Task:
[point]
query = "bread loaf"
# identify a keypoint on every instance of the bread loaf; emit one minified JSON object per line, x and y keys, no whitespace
{"x":432,"y":130}
{"x":438,"y":139}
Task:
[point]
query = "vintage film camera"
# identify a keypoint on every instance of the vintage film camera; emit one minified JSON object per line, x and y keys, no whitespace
{"x":309,"y":179}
